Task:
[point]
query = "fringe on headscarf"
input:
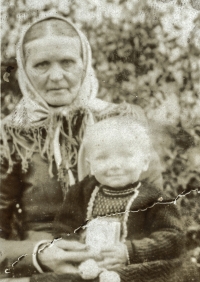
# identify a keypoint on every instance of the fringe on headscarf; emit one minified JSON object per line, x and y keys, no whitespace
{"x":57,"y":139}
{"x":123,"y":109}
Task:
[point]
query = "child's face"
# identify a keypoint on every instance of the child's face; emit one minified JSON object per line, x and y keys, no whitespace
{"x":116,"y":162}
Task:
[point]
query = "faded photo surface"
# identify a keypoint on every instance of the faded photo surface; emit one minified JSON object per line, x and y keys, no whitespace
{"x":100,"y":141}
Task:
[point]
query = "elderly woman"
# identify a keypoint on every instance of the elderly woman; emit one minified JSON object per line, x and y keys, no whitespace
{"x":41,"y":140}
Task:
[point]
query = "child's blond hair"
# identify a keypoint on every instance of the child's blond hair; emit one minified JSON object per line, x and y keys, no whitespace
{"x":120,"y":127}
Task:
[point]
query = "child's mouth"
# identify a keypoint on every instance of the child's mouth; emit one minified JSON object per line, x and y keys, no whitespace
{"x":115,"y":175}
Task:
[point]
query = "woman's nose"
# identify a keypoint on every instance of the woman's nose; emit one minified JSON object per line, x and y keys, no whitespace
{"x":56,"y":73}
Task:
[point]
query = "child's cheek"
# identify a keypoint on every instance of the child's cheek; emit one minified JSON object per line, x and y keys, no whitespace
{"x":130,"y":164}
{"x":101,"y":168}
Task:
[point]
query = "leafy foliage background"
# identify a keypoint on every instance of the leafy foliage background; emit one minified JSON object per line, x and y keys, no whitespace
{"x":146,"y":53}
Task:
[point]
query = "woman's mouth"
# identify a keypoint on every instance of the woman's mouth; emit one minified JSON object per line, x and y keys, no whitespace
{"x":57,"y":89}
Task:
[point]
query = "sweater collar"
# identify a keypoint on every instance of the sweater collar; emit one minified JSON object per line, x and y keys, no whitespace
{"x":119,"y":191}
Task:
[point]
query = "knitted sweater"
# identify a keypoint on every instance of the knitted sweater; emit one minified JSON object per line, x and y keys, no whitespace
{"x":154,"y":233}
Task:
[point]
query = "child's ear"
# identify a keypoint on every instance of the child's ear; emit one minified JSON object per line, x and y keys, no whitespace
{"x":89,"y":166}
{"x":146,"y":163}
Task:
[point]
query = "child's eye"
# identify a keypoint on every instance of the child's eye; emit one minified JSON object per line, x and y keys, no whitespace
{"x":42,"y":65}
{"x":128,"y":156}
{"x":102,"y":158}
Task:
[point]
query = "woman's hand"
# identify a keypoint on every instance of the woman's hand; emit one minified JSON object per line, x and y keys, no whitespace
{"x":113,"y":257}
{"x":58,"y":256}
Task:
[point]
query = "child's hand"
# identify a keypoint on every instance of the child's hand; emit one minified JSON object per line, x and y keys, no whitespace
{"x":114,"y":257}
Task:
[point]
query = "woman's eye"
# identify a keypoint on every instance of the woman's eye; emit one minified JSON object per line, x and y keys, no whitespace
{"x":42,"y":65}
{"x":68,"y":63}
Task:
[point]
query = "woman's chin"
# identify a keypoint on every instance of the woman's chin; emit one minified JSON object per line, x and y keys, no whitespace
{"x":59,"y":98}
{"x":55,"y":103}
{"x":56,"y":106}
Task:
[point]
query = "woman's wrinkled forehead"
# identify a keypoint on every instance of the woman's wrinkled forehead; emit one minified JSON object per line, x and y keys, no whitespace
{"x":52,"y":26}
{"x":49,"y":28}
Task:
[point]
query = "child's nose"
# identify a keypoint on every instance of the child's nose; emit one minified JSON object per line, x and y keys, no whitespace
{"x":115,"y":165}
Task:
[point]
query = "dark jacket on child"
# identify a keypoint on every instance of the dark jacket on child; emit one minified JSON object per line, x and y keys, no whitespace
{"x":155,"y":239}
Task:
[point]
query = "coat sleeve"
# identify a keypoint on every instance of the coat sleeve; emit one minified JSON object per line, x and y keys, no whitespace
{"x":164,"y":239}
{"x":72,"y":215}
{"x":10,"y":193}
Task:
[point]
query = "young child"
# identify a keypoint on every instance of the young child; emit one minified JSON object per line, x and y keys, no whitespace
{"x":128,"y":226}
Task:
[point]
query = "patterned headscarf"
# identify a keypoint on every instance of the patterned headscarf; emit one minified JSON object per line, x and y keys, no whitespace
{"x":32,"y":109}
{"x":32,"y":114}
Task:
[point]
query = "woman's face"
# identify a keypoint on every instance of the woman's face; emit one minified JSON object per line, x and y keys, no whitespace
{"x":55,"y":68}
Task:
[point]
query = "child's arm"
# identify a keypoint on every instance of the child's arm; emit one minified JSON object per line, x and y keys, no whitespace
{"x":159,"y":271}
{"x":164,"y":239}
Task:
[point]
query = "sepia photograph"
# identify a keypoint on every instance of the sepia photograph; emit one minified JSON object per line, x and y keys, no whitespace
{"x":100,"y":141}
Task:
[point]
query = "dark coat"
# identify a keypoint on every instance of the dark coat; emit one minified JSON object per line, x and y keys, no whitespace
{"x":38,"y":198}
